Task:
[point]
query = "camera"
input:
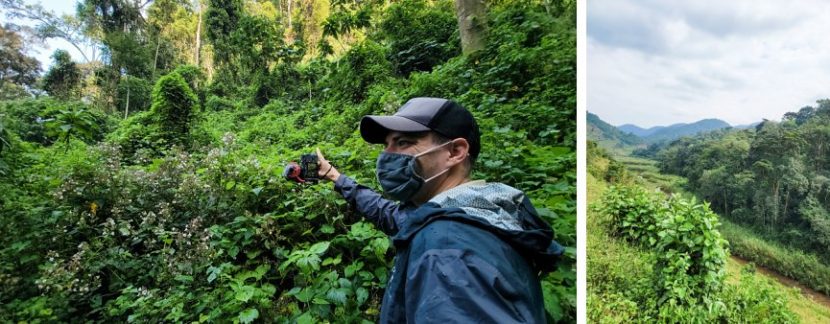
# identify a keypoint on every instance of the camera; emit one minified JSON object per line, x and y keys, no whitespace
{"x":306,"y":170}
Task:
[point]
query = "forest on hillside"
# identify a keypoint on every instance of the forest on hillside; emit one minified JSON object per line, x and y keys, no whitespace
{"x":142,"y":182}
{"x":772,"y":179}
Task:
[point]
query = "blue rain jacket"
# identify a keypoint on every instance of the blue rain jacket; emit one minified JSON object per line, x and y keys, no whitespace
{"x":473,"y":253}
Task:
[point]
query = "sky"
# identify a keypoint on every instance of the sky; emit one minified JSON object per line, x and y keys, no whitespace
{"x":658,"y":62}
{"x":44,"y":53}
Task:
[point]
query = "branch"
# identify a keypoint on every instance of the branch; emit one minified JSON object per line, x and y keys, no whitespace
{"x":50,"y":25}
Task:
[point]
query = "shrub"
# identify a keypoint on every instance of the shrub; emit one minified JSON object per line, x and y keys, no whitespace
{"x":45,"y":120}
{"x":420,"y":35}
{"x":362,"y":66}
{"x":691,"y":253}
{"x":755,"y":300}
{"x":175,"y":106}
{"x":217,"y":103}
{"x":139,"y":137}
{"x":192,"y":74}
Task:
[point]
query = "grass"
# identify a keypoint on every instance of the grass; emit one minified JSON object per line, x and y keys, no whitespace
{"x":808,"y":310}
{"x":647,"y":173}
{"x":791,"y":263}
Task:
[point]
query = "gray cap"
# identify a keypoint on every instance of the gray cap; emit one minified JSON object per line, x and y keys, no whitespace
{"x":445,"y":117}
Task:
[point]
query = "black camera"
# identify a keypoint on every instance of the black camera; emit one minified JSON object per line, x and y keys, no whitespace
{"x":306,"y":170}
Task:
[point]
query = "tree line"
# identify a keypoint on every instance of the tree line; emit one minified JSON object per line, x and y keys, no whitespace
{"x":775,"y":177}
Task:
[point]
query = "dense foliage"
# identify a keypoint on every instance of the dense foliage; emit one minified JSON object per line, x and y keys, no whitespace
{"x":179,"y":212}
{"x":772,"y":179}
{"x":691,"y":254}
{"x":658,"y":258}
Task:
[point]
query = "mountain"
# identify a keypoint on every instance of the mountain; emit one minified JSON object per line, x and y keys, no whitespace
{"x":746,"y":126}
{"x":639,"y":131}
{"x":607,"y":135}
{"x":676,"y":131}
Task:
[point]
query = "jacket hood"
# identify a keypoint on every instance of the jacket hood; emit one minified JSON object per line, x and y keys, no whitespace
{"x":497,"y":207}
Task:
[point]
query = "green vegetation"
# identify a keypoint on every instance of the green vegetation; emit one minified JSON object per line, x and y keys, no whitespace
{"x":649,"y":260}
{"x":609,"y":136}
{"x":771,"y":180}
{"x":154,"y":193}
{"x":789,"y":262}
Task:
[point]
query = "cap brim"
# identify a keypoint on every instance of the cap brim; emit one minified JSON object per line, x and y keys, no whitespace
{"x":374,"y":129}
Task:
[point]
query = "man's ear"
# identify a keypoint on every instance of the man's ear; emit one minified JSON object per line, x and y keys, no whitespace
{"x":459,"y":151}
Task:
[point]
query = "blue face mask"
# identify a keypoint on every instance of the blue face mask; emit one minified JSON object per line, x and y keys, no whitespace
{"x":398,"y":177}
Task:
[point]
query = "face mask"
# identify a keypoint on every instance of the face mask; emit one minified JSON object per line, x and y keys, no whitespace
{"x":397,"y":176}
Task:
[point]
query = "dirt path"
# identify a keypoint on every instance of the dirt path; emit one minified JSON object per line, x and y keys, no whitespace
{"x":808,"y":292}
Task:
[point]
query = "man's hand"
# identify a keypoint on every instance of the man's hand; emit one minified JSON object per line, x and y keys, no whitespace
{"x":326,"y":171}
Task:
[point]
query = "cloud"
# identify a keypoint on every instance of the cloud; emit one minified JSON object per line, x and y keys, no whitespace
{"x":656,"y":62}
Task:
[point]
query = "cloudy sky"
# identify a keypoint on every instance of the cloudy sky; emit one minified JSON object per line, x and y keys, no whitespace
{"x":657,"y":62}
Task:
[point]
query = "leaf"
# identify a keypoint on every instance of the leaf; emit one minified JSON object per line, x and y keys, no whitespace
{"x":337,"y":295}
{"x":248,"y":315}
{"x":332,"y":261}
{"x":184,"y":278}
{"x":229,"y":184}
{"x":256,"y":190}
{"x":305,"y":319}
{"x":268,"y":289}
{"x":320,"y":301}
{"x":327,"y":229}
{"x":261,"y":270}
{"x":319,"y":248}
{"x":212,"y":273}
{"x":245,"y":293}
{"x":362,"y":295}
{"x":304,"y":295}
{"x":352,"y":268}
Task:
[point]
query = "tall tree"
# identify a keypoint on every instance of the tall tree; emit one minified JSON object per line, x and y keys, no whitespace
{"x":63,"y":78}
{"x":472,"y":24}
{"x":18,"y":70}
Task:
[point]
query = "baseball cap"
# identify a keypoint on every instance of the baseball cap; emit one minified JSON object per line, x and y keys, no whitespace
{"x":445,"y":117}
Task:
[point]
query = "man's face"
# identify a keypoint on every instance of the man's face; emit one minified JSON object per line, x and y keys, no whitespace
{"x":415,"y":143}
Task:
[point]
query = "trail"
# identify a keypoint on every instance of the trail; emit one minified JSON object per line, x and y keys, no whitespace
{"x":807,"y":292}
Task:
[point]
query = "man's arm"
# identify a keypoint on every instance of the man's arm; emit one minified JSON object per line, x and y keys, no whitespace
{"x":384,"y":213}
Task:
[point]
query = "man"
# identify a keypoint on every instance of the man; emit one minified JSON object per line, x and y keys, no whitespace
{"x":467,"y":251}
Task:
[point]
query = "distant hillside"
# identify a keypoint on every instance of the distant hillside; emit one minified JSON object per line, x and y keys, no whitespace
{"x":609,"y":136}
{"x":679,"y":130}
{"x":746,"y":126}
{"x":639,"y":131}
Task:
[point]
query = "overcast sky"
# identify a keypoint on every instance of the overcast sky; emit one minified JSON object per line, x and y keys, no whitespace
{"x":657,"y":62}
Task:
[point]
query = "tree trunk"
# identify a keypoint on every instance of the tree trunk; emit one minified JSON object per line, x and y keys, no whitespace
{"x":199,"y":35}
{"x":156,"y":58}
{"x":472,"y":24}
{"x":289,"y":13}
{"x":127,"y":106}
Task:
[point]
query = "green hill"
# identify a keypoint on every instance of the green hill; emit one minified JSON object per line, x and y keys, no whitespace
{"x":609,"y":136}
{"x":676,"y":131}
